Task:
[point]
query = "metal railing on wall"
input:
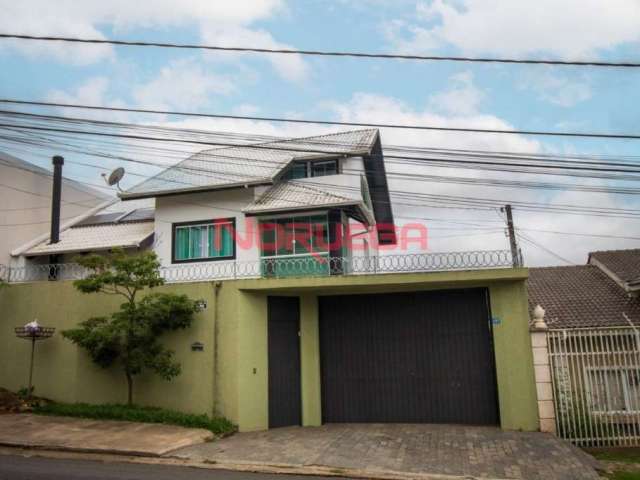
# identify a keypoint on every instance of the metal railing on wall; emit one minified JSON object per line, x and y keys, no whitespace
{"x":305,"y":266}
{"x":596,"y":380}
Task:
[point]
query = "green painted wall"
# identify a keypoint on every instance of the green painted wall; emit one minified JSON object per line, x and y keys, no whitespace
{"x":310,"y":361}
{"x":65,"y":373}
{"x":514,"y":357}
{"x":514,"y":362}
{"x":252,"y":362}
{"x":231,"y":376}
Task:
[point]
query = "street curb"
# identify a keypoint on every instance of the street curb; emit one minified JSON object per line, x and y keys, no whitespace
{"x":81,"y":450}
{"x":282,"y":469}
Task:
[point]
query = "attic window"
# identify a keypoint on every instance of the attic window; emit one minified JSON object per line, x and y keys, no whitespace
{"x":311,"y":168}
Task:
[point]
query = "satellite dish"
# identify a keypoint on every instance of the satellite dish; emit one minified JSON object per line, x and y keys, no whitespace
{"x":114,"y":177}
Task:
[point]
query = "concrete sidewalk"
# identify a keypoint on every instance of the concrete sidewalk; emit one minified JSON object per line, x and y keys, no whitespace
{"x":401,"y":451}
{"x":96,"y":436}
{"x":371,"y":451}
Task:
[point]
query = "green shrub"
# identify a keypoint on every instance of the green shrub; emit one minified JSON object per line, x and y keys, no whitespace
{"x":134,"y":413}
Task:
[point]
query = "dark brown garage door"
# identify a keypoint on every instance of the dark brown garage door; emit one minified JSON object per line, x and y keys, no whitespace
{"x":420,"y":357}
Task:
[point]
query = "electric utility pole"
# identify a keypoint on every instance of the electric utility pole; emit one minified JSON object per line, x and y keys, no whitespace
{"x":515,"y":253}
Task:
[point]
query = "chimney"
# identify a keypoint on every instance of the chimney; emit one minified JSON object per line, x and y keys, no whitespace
{"x":58,"y":161}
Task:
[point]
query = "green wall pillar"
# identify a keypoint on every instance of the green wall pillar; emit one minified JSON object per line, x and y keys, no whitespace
{"x":514,"y":359}
{"x":252,"y":363}
{"x":310,"y":361}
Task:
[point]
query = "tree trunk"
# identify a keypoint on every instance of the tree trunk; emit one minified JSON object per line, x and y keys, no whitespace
{"x":130,"y":388}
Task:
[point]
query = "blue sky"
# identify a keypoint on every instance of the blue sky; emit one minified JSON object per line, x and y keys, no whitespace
{"x":438,"y":93}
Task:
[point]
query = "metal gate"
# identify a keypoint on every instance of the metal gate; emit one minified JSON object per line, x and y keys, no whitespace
{"x":596,"y":378}
{"x":419,"y":357}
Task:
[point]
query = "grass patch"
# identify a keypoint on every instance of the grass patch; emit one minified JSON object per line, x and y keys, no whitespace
{"x":626,"y":455}
{"x":624,"y":476}
{"x":218,"y":425}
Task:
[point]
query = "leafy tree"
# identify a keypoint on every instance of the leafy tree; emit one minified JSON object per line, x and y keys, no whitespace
{"x":129,"y":336}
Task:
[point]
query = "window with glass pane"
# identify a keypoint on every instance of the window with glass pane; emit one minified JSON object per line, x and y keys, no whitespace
{"x":313,"y":168}
{"x":319,"y":234}
{"x":297,"y":170}
{"x":302,"y":232}
{"x":203,"y":241}
{"x":268,"y":237}
{"x":320,"y":169}
{"x":294,"y":235}
{"x":613,"y":390}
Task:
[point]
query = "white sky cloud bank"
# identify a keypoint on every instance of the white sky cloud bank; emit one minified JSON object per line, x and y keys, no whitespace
{"x":218,"y":22}
{"x":182,"y":84}
{"x":567,"y":29}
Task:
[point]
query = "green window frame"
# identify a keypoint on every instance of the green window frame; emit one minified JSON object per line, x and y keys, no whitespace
{"x":203,"y":241}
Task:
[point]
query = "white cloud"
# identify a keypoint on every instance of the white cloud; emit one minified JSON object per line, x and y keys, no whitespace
{"x":291,"y":67}
{"x":557,"y":89}
{"x":228,"y":23}
{"x":372,"y":108}
{"x":94,"y":91}
{"x":568,"y":29}
{"x":182,"y":84}
{"x":463,"y":98}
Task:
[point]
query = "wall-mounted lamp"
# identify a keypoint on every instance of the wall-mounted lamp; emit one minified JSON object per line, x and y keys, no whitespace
{"x":197,"y":347}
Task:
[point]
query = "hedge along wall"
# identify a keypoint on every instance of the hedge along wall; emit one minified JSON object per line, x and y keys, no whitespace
{"x":64,"y":372}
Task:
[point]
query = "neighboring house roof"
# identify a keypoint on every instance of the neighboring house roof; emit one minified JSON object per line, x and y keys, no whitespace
{"x":295,"y":195}
{"x":111,"y":227}
{"x":249,"y":165}
{"x":11,"y":161}
{"x":97,"y":237}
{"x":579,"y":297}
{"x":622,"y":265}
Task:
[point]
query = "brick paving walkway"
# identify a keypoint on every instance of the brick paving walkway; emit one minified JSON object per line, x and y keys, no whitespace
{"x":476,"y":452}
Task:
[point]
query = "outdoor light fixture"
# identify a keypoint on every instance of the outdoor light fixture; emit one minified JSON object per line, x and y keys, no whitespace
{"x":197,"y":347}
{"x":33,"y":331}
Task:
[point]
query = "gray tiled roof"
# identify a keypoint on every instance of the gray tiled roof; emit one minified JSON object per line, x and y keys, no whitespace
{"x":624,"y":264}
{"x":253,"y":164}
{"x":295,"y":195}
{"x":97,"y":237}
{"x":580,"y":296}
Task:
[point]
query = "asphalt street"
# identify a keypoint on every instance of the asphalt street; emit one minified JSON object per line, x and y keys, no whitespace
{"x":35,"y":468}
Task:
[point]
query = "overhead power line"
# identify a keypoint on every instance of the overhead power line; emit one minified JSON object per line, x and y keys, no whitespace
{"x":616,"y":136}
{"x":544,"y":249}
{"x":323,"y":53}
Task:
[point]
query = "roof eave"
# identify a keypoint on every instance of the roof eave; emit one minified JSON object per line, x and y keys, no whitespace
{"x":135,"y":244}
{"x":297,"y":208}
{"x":183,"y":191}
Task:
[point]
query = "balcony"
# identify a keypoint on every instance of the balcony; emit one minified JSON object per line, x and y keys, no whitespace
{"x":287,"y":267}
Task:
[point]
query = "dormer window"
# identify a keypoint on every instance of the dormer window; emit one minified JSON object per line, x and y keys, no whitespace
{"x":311,"y":168}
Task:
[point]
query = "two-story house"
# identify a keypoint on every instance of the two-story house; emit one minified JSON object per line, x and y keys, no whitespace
{"x":305,"y":321}
{"x":291,"y":205}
